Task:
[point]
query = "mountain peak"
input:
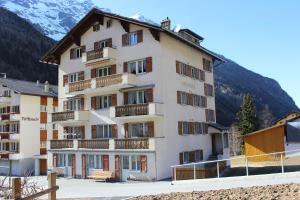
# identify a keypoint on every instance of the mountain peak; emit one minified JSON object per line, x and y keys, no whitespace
{"x":141,"y":18}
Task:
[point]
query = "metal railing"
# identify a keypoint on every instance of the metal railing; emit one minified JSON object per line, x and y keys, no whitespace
{"x":270,"y":163}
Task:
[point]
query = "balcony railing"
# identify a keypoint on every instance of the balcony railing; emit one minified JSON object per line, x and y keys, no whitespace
{"x":132,"y":143}
{"x":132,"y":110}
{"x":108,"y":80}
{"x":62,"y":116}
{"x":4,"y":156}
{"x":80,"y":85}
{"x":61,"y":144}
{"x":94,"y":54}
{"x":5,"y":117}
{"x":94,"y":144}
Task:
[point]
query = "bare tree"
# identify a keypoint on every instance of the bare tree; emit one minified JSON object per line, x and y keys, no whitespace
{"x":235,"y":141}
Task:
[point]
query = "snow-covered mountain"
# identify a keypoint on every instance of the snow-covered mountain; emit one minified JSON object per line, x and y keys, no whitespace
{"x":55,"y":17}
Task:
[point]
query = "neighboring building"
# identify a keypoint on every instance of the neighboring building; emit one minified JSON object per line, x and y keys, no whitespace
{"x":288,"y":117}
{"x":134,"y":98}
{"x":283,"y":136}
{"x":24,"y":128}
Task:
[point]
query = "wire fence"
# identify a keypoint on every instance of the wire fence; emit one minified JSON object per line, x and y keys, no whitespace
{"x":271,"y":163}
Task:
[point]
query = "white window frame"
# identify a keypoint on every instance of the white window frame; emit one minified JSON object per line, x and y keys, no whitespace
{"x":108,"y":23}
{"x":141,"y":128}
{"x":185,"y":128}
{"x":43,"y":144}
{"x":74,"y":104}
{"x":183,"y":98}
{"x":137,"y":66}
{"x":43,"y":108}
{"x":14,"y":146}
{"x":43,"y":126}
{"x":74,"y":77}
{"x":103,"y":102}
{"x":73,"y":132}
{"x":103,"y":71}
{"x":104,"y":131}
{"x":7,"y":93}
{"x":15,"y":109}
{"x":139,"y":96}
{"x":133,"y":38}
{"x":198,"y":156}
{"x":186,"y":155}
{"x":15,"y":127}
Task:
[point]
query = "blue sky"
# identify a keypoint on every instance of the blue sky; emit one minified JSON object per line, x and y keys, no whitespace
{"x":263,"y":36}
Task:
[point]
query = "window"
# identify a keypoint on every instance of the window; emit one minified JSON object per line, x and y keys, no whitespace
{"x":133,"y":38}
{"x":101,"y":44}
{"x":3,"y":146}
{"x":202,"y":75}
{"x":208,"y":90}
{"x":185,"y":157}
{"x":69,"y":159}
{"x":105,"y":71}
{"x":74,"y":104}
{"x":14,"y":147}
{"x":55,"y":126}
{"x":185,"y":128}
{"x":138,"y":130}
{"x":15,"y":127}
{"x":7,"y":93}
{"x":104,"y":131}
{"x":198,"y":128}
{"x":103,"y":102}
{"x":76,"y":53}
{"x":199,"y":101}
{"x":195,"y":73}
{"x":43,"y":144}
{"x":43,"y":126}
{"x":43,"y":108}
{"x":74,"y":77}
{"x":138,"y":66}
{"x":137,"y":97}
{"x":96,"y":27}
{"x":73,"y":132}
{"x":182,"y":68}
{"x":94,"y":161}
{"x":55,"y":108}
{"x":108,"y":23}
{"x":135,"y":163}
{"x":210,"y":115}
{"x":15,"y":109}
{"x":207,"y":65}
{"x":184,"y":98}
{"x":4,"y":110}
{"x":61,"y":160}
{"x":125,"y":162}
{"x":198,"y":155}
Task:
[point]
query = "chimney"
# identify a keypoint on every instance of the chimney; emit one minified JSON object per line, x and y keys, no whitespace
{"x":166,"y":24}
{"x":46,"y":86}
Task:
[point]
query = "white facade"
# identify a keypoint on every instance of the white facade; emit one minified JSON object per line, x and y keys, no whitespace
{"x":163,"y":148}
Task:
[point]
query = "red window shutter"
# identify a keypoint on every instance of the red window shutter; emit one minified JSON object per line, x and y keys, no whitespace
{"x":8,"y":109}
{"x":178,"y":97}
{"x":109,"y":42}
{"x":73,"y":165}
{"x":125,"y":98}
{"x":191,"y":127}
{"x":93,"y":73}
{"x":150,"y":95}
{"x":125,"y":39}
{"x":93,"y":103}
{"x":82,"y":103}
{"x":117,"y":167}
{"x":188,"y":70}
{"x":113,"y":69}
{"x":125,"y":66}
{"x":180,"y":128}
{"x":181,"y":158}
{"x":94,"y":132}
{"x":177,"y":67}
{"x":143,"y":164}
{"x":65,"y":80}
{"x":72,"y":53}
{"x":126,"y":130}
{"x":105,"y":161}
{"x":96,"y":45}
{"x":114,"y":99}
{"x":140,"y":36}
{"x":190,"y":99}
{"x":114,"y":131}
{"x":149,"y":64}
{"x":82,"y":129}
{"x":192,"y":156}
{"x":54,"y":160}
{"x":206,"y":115}
{"x":150,"y":129}
{"x":81,"y":75}
{"x":83,"y":166}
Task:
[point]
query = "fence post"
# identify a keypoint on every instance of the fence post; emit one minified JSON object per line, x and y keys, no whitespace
{"x":281,"y":160}
{"x":218,"y":170}
{"x":16,"y":188}
{"x":194,"y":171}
{"x":51,"y":184}
{"x":247,"y":170}
{"x":174,"y":173}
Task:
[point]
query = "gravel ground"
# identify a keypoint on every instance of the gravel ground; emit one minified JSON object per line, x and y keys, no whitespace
{"x":270,"y":192}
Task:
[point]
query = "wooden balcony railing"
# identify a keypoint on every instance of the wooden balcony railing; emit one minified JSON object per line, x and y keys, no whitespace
{"x":5,"y":117}
{"x":94,"y":54}
{"x":108,"y":80}
{"x":61,"y":144}
{"x":62,"y":116}
{"x":132,"y":110}
{"x":94,"y":144}
{"x":4,"y":156}
{"x":80,"y":85}
{"x":132,"y":143}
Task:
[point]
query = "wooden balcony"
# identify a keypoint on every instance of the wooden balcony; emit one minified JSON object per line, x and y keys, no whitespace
{"x":4,"y":156}
{"x":131,"y":110}
{"x":94,"y":54}
{"x":100,"y":57}
{"x":80,"y":85}
{"x":94,"y":144}
{"x":108,"y":80}
{"x":61,"y":144}
{"x":5,"y":117}
{"x":63,"y":116}
{"x":132,"y":143}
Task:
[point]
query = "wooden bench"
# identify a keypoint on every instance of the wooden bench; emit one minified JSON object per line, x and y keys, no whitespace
{"x":101,"y":175}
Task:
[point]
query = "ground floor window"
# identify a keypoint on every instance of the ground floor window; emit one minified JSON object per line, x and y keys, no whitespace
{"x":64,"y":160}
{"x":132,"y":162}
{"x":94,"y":161}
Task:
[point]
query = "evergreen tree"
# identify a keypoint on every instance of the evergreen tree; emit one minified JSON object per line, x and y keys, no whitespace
{"x":246,"y":117}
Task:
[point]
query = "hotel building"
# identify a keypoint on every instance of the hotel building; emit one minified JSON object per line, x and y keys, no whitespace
{"x":134,"y":99}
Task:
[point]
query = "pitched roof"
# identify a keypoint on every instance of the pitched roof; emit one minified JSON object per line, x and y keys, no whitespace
{"x":286,"y":117}
{"x":29,"y":88}
{"x":52,"y":56}
{"x":218,"y":126}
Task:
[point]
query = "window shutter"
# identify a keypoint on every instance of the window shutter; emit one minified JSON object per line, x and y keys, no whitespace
{"x":83,"y":161}
{"x":114,"y":99}
{"x":125,"y":66}
{"x":117,"y":167}
{"x":180,"y":128}
{"x":82,"y":130}
{"x":125,"y":39}
{"x":178,"y":97}
{"x":94,"y":28}
{"x":96,"y":46}
{"x":93,"y":73}
{"x":192,"y":156}
{"x":94,"y":132}
{"x":113,"y":69}
{"x":177,"y":67}
{"x":81,"y":75}
{"x":93,"y":103}
{"x":72,"y":53}
{"x":191,"y":128}
{"x":150,"y":129}
{"x":73,"y":165}
{"x":150,"y":95}
{"x":201,"y":154}
{"x":143,"y":164}
{"x":114,"y":131}
{"x":65,"y":81}
{"x":202,"y":75}
{"x":82,"y":103}
{"x":109,"y":42}
{"x":66,"y":105}
{"x":181,"y":158}
{"x":54,"y":160}
{"x":190,"y":99}
{"x":140,"y":36}
{"x":149,"y":64}
{"x":188,"y":70}
{"x":105,"y":161}
{"x":125,"y":98}
{"x":206,"y":115}
{"x":126,"y":130}
{"x":8,"y":109}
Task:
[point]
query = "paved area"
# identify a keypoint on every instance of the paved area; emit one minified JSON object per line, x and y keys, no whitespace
{"x":89,"y":189}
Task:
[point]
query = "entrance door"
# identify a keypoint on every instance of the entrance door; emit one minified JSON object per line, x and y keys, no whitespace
{"x":117,"y":167}
{"x":213,"y":140}
{"x":43,"y":166}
